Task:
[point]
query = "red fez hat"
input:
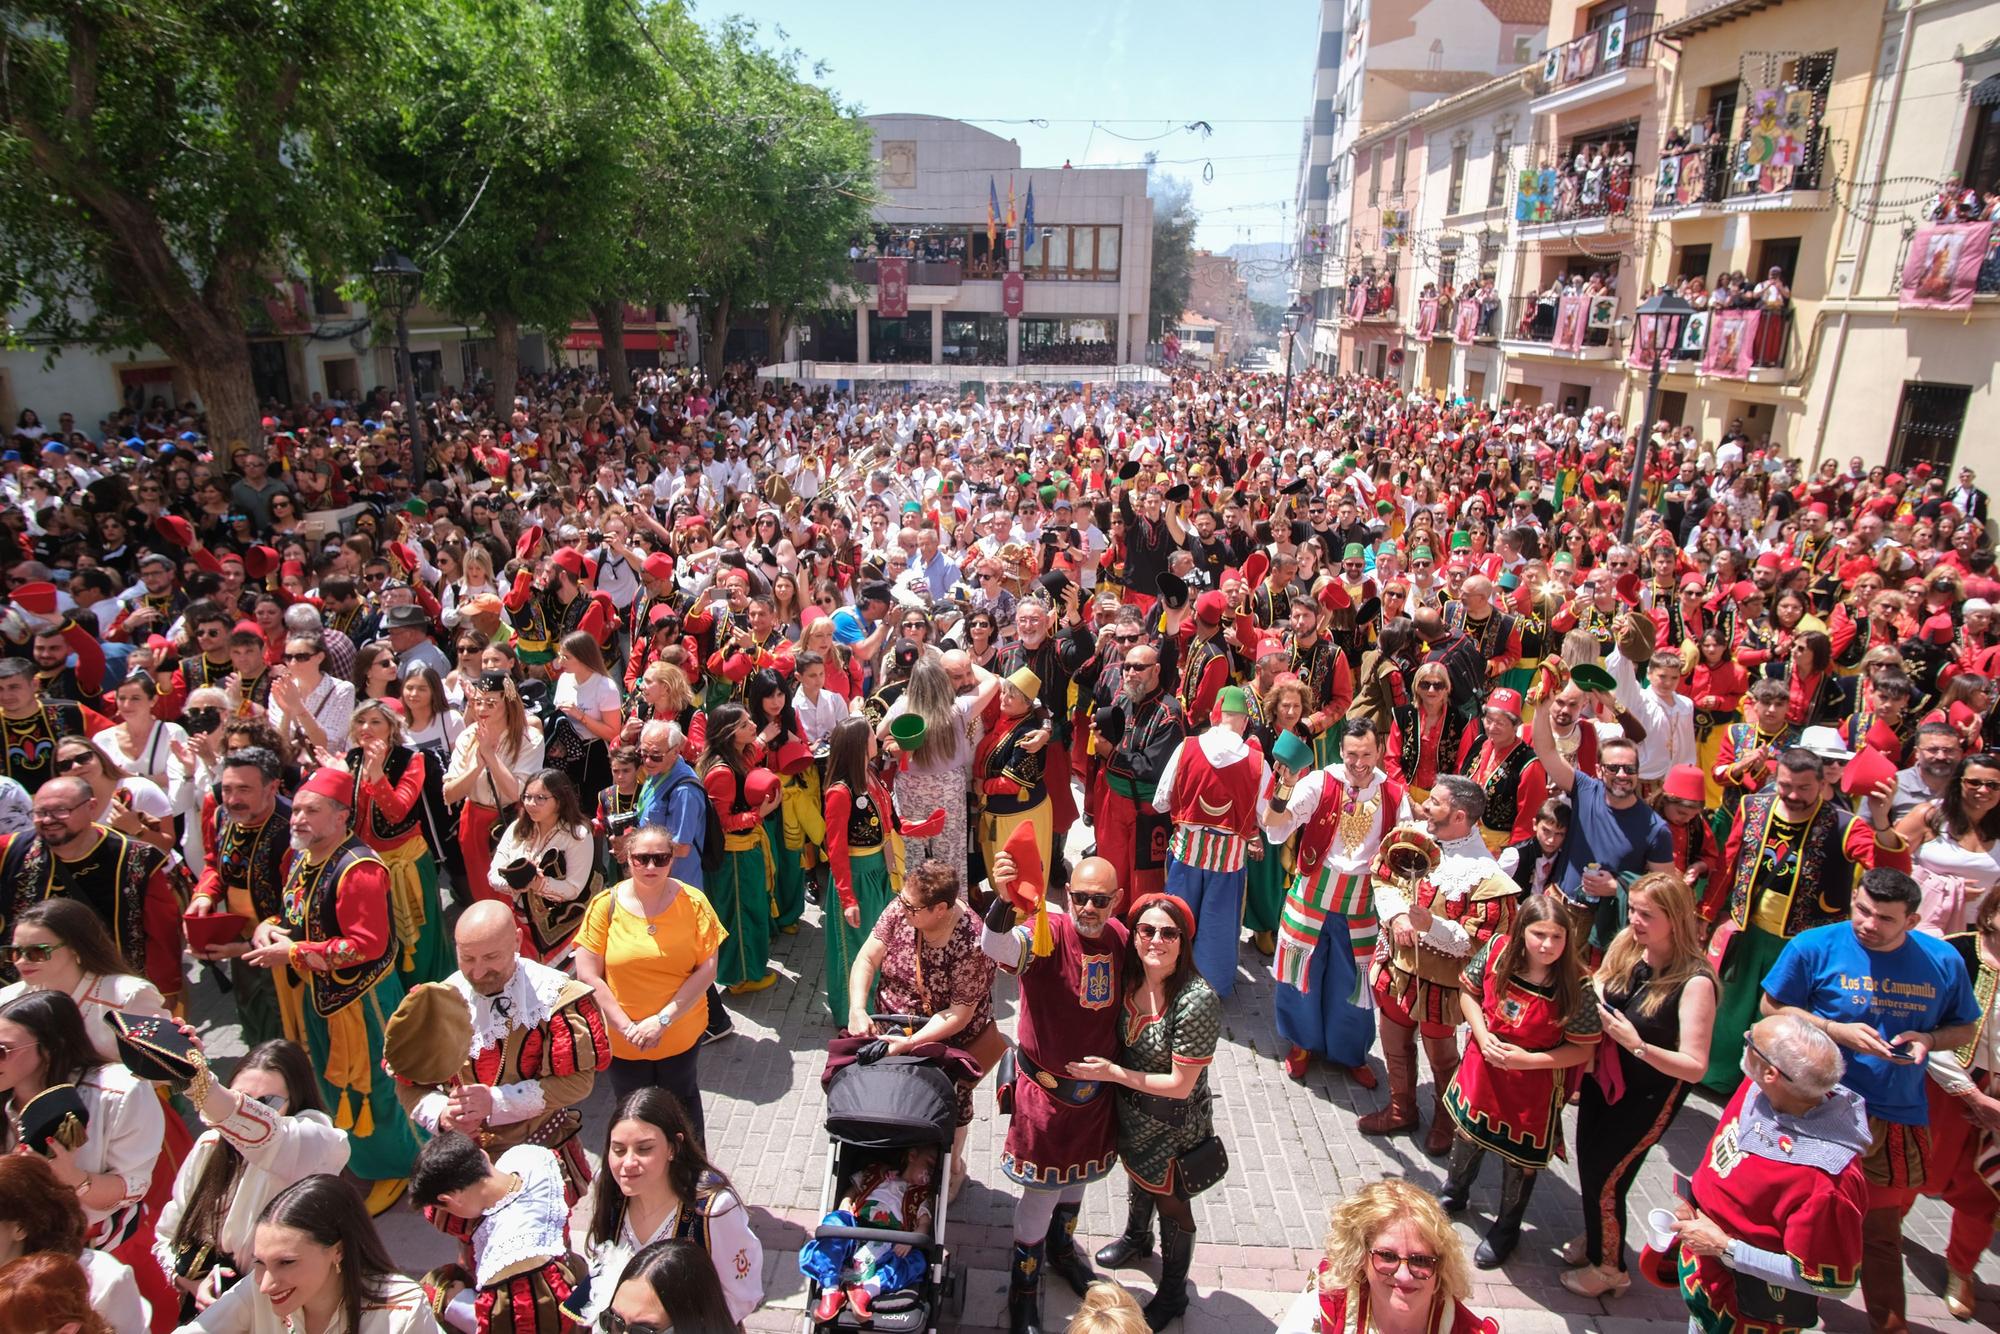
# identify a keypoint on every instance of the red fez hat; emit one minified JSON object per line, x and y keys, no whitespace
{"x":1868,"y":770}
{"x":1628,"y":587}
{"x":1819,"y":507}
{"x":1693,"y":581}
{"x":1743,"y":590}
{"x":1938,"y":629}
{"x":405,"y":556}
{"x":525,"y":546}
{"x":1255,"y":567}
{"x":231,"y":558}
{"x":291,"y":567}
{"x":1209,"y":608}
{"x":793,"y":757}
{"x":1684,"y":783}
{"x":1506,"y":701}
{"x":659,"y":565}
{"x":569,"y":558}
{"x":246,"y":626}
{"x":759,"y":786}
{"x":259,"y":561}
{"x":659,"y":613}
{"x":175,"y":529}
{"x":1334,"y":597}
{"x":1883,"y":738}
{"x":331,"y":784}
{"x":37,"y":599}
{"x":1770,"y":560}
{"x":1850,"y":570}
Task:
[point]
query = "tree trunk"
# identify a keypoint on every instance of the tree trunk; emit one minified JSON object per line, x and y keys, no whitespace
{"x":777,"y":321}
{"x":610,"y":317}
{"x":714,"y":337}
{"x":506,"y":362}
{"x":219,"y":367}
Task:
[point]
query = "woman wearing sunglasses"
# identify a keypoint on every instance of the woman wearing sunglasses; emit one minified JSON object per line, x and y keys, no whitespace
{"x":1393,"y":1266}
{"x":135,"y":807}
{"x":668,"y":1286}
{"x":62,"y":945}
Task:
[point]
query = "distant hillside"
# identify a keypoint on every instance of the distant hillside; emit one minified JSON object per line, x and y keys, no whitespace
{"x":1266,"y":270}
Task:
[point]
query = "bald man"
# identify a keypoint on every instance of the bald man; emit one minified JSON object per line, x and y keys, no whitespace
{"x":538,"y":1042}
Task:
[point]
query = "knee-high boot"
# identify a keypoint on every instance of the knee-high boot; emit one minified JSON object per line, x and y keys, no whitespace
{"x":1399,"y":1054}
{"x":1064,"y":1259}
{"x":1024,"y":1290}
{"x":1442,"y":1053}
{"x":1516,"y":1186}
{"x":1176,"y":1254}
{"x":1465,"y":1159}
{"x":1137,"y":1240}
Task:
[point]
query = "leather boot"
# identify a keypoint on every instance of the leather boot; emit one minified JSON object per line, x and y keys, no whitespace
{"x":1399,"y":1054}
{"x":1516,"y":1186}
{"x":1064,"y":1259}
{"x":1024,"y":1290}
{"x":1465,"y":1159}
{"x":1137,"y":1240}
{"x":1442,"y":1054}
{"x":1171,"y":1298}
{"x":1882,"y":1270}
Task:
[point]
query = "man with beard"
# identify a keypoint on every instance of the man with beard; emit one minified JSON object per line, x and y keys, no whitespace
{"x":1321,"y":666}
{"x":1054,"y":661}
{"x":1062,"y":1133}
{"x":1434,"y":927}
{"x":1492,"y":631}
{"x":545,"y":610}
{"x":56,"y":638}
{"x":210,"y":664}
{"x":538,"y":1042}
{"x":1131,"y":835}
{"x":246,"y":841}
{"x":332,"y":950}
{"x":122,"y":879}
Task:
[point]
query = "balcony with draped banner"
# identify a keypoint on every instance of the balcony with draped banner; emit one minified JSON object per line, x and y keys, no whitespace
{"x":1613,"y":58}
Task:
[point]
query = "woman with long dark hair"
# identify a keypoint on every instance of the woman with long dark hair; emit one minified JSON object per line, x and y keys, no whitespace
{"x":551,"y":837}
{"x":499,"y":750}
{"x":740,"y":888}
{"x":390,"y":780}
{"x":319,"y":1265}
{"x":63,"y":945}
{"x":1816,"y":694}
{"x":864,"y":852}
{"x":671,"y":1285}
{"x":767,"y":698}
{"x":1956,"y":842}
{"x":588,"y":707}
{"x":39,"y":1216}
{"x":657,"y":1185}
{"x":266,"y":1130}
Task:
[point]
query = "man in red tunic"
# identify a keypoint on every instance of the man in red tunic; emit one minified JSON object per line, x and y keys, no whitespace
{"x":1780,"y":1193}
{"x":1210,"y":786}
{"x":1062,"y":1133}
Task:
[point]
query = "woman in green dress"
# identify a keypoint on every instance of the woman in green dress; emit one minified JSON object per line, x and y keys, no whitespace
{"x":1169,"y":1029}
{"x":777,"y":723}
{"x":740,"y":889}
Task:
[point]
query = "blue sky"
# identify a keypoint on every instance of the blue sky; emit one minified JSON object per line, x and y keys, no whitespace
{"x":1140,"y":70}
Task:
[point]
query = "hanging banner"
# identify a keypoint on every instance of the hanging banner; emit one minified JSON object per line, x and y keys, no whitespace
{"x":1427,"y":318}
{"x":1732,"y":340}
{"x":1465,"y":323}
{"x":1942,"y":270}
{"x":1357,"y":301}
{"x":892,"y":288}
{"x":1694,"y":337}
{"x":1571,"y":314}
{"x":1013,"y":293}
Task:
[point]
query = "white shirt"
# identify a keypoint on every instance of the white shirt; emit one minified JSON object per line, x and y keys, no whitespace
{"x":400,"y":1309}
{"x":733,"y":1249}
{"x":595,"y":695}
{"x":817,"y":719}
{"x":1669,"y":722}
{"x":330,"y":704}
{"x":152,"y":758}
{"x":98,"y":995}
{"x":1305,"y":800}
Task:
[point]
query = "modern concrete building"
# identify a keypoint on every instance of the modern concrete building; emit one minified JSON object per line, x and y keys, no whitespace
{"x":1085,"y":276}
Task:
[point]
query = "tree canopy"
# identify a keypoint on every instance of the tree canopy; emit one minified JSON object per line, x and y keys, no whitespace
{"x":1173,"y":248}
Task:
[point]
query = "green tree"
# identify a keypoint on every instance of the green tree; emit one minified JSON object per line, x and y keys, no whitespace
{"x":169,"y":161}
{"x":1173,"y":245}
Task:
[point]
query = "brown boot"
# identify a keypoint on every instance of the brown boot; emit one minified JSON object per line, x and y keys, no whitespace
{"x":1399,"y":1054}
{"x":1442,"y":1054}
{"x":1882,"y":1270}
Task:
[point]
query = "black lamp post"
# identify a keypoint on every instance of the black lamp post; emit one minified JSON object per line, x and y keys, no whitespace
{"x":399,"y":282}
{"x":1294,"y":317}
{"x":698,"y":298}
{"x":1661,"y":317}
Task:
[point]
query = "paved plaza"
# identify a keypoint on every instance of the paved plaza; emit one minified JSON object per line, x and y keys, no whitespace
{"x":1293,"y":1150}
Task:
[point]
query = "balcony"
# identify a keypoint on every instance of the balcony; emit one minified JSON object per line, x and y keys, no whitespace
{"x":1554,"y":201}
{"x":1691,"y":183}
{"x":1615,"y":59}
{"x":923,"y":272}
{"x":1789,"y":177}
{"x":1765,"y":354}
{"x":1537,"y":327}
{"x":1368,"y":303}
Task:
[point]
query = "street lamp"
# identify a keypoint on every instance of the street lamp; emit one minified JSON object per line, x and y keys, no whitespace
{"x":1294,"y":317}
{"x":399,"y":282}
{"x":697,"y":297}
{"x":1661,"y":317}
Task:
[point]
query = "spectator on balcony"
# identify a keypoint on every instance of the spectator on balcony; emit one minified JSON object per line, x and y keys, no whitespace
{"x":1773,"y":299}
{"x":1618,"y":186}
{"x":1594,"y":171}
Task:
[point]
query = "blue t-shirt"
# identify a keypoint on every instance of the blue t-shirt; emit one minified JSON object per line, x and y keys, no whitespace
{"x":1919,"y":986}
{"x":1619,"y":841}
{"x":677,"y":802}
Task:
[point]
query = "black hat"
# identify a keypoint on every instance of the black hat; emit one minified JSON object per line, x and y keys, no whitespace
{"x":1129,"y":470}
{"x":1173,"y":590}
{"x":519,"y":873}
{"x":555,"y":864}
{"x":1294,"y":487}
{"x":906,"y":653}
{"x":55,"y":1114}
{"x":876,"y":592}
{"x":153,"y":1047}
{"x":1055,"y":583}
{"x":1110,"y":723}
{"x":1178,"y":492}
{"x":409,"y":617}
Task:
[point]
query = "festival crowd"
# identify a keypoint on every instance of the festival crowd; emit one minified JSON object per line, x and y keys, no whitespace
{"x":470,"y":769}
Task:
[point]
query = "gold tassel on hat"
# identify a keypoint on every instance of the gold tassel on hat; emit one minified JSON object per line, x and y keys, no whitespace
{"x":1044,"y":943}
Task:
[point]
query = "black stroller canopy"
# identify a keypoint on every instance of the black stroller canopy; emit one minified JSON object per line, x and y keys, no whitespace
{"x":892,"y":1104}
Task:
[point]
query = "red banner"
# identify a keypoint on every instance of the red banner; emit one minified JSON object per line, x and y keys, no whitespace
{"x":892,"y":288}
{"x":1013,"y":293}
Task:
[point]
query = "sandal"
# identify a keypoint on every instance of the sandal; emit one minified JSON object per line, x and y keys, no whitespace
{"x":1597,"y":1281}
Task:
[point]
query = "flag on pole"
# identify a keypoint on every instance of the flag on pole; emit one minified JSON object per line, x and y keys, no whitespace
{"x":992,"y":211}
{"x":1010,"y":199}
{"x":1028,"y":219}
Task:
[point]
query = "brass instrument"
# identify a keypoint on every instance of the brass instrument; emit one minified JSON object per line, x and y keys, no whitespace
{"x":1408,"y":854}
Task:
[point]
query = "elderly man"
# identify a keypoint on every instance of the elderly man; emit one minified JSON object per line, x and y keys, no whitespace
{"x":1211,"y":786}
{"x":1890,"y":995}
{"x":1063,"y":1132}
{"x":538,"y":1042}
{"x":332,"y":950}
{"x":1494,"y":632}
{"x":1434,"y":927}
{"x":408,"y":630}
{"x":1778,"y":1198}
{"x":1131,"y":834}
{"x":246,"y":846}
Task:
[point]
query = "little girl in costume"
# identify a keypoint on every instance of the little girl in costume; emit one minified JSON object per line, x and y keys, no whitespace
{"x":857,"y":1272}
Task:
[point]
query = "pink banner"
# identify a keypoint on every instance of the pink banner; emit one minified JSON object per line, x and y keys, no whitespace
{"x":892,"y":288}
{"x":1732,"y":343}
{"x":1013,"y":293}
{"x":1572,"y":317}
{"x":1943,"y":266}
{"x":1357,"y":300}
{"x":1427,"y":318}
{"x":1465,"y":323}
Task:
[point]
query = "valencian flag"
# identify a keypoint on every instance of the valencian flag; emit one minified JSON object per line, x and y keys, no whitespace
{"x":992,"y":210}
{"x":1028,"y":219}
{"x":1010,"y":199}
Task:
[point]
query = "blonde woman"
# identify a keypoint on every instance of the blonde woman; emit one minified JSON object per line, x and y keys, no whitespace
{"x":497,"y":753}
{"x":390,"y":778}
{"x":1656,"y":996}
{"x":1393,"y":1265}
{"x":475,"y":577}
{"x":1107,"y":1309}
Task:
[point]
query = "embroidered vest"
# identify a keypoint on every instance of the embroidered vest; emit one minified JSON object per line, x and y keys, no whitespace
{"x":394,"y":766}
{"x":197,"y":671}
{"x":111,"y":880}
{"x":1410,"y":742}
{"x":310,"y":898}
{"x":252,"y":861}
{"x":1213,"y":798}
{"x":1200,"y":653}
{"x":29,"y":757}
{"x":864,"y":821}
{"x":1822,"y":879}
{"x":1316,"y":839}
{"x":1502,"y":784}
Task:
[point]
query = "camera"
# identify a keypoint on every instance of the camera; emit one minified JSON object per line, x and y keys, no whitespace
{"x":620,"y":823}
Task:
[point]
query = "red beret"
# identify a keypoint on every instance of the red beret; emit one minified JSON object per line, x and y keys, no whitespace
{"x":530,"y":536}
{"x":37,"y":599}
{"x":175,"y":529}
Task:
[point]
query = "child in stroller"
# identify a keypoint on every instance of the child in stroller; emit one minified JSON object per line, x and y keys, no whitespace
{"x":881,"y":1195}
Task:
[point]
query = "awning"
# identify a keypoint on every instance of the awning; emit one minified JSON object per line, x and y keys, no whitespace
{"x":586,"y":340}
{"x":1986,"y":92}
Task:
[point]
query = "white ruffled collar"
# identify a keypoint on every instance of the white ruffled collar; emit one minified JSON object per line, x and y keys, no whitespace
{"x":527,"y":1001}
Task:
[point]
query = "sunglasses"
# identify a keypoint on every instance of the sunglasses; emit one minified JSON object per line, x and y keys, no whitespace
{"x":1758,"y":1052}
{"x":1978,"y":784}
{"x":653,"y":756}
{"x":651,"y":859}
{"x":1091,"y":900}
{"x":1147,"y":931}
{"x":1433,"y":685}
{"x":1387,"y":1262}
{"x":63,"y":766}
{"x":613,"y":1323}
{"x":300,"y":657}
{"x":28,"y":953}
{"x":1607,"y":767}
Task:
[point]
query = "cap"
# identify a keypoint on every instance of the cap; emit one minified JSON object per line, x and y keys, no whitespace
{"x":1024,"y":680}
{"x":1686,"y":783}
{"x":429,"y":1038}
{"x":1210,"y":608}
{"x":1975,"y":604}
{"x":333,"y":784}
{"x":1353,"y":551}
{"x":1292,"y":751}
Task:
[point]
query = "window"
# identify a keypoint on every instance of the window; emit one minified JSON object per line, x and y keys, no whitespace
{"x":1524,"y":49}
{"x":327,"y":300}
{"x":1503,"y":167}
{"x":1455,"y":193}
{"x":1781,"y":253}
{"x":1982,"y":161}
{"x":1692,"y":262}
{"x":1928,"y":425}
{"x":1447,"y":272}
{"x":1402,"y":163}
{"x":1375,"y":179}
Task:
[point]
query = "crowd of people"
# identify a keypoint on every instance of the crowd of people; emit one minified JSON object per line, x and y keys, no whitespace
{"x":460,"y":784}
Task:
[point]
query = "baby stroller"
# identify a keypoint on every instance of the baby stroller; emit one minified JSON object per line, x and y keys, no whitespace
{"x":874,"y":1113}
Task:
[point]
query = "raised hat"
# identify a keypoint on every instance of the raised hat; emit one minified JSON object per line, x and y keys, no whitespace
{"x":1173,"y":590}
{"x":37,"y":598}
{"x":259,"y":561}
{"x":55,"y":1115}
{"x":429,"y":1038}
{"x":525,"y":545}
{"x":1255,"y":566}
{"x":175,"y":529}
{"x":1292,"y":751}
{"x":153,"y":1047}
{"x":1589,"y":676}
{"x":1867,"y":771}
